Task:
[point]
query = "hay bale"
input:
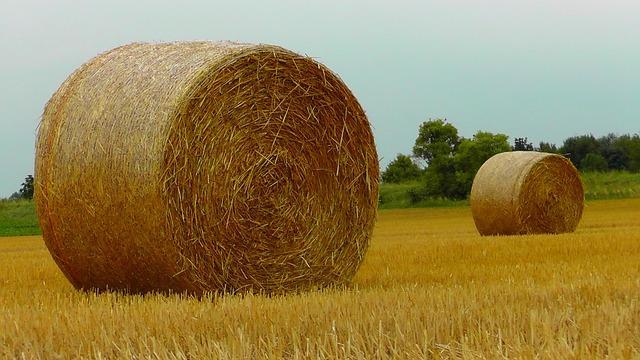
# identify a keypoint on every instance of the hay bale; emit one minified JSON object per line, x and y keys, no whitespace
{"x":199,"y":166}
{"x":526,"y":192}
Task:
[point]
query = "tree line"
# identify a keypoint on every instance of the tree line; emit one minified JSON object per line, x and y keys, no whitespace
{"x":445,"y":163}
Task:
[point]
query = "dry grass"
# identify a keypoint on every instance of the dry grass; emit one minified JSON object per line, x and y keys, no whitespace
{"x":526,"y":192}
{"x":198,"y":166}
{"x":430,"y":287}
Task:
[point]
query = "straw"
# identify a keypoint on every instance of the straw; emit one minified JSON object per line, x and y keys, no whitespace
{"x":200,"y":166}
{"x":526,"y":192}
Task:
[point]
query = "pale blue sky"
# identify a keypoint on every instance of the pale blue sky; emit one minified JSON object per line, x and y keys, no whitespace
{"x":544,"y":69}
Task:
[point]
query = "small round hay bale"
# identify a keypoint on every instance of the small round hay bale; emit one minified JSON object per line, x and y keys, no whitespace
{"x":200,"y":166}
{"x":526,"y":192}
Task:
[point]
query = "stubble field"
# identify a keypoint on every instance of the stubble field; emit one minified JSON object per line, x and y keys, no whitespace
{"x":430,"y":287}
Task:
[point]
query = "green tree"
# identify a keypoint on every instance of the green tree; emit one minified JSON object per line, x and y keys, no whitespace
{"x":593,"y":162}
{"x":441,"y":179}
{"x":401,"y":169}
{"x":577,"y":147}
{"x":522,"y":144}
{"x":452,"y":176}
{"x":435,"y":138}
{"x":612,"y":152}
{"x":629,"y":145}
{"x":548,"y":147}
{"x":26,"y":189}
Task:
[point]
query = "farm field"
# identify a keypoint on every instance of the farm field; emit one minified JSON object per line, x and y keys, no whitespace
{"x":597,"y":186}
{"x":19,"y":217}
{"x":429,"y":287}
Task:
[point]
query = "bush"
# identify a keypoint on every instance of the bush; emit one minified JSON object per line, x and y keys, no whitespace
{"x":593,"y":162}
{"x":417,"y":195}
{"x":401,"y":169}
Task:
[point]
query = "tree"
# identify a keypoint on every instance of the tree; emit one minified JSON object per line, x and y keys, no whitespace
{"x":522,"y":144}
{"x":577,"y":147}
{"x":452,"y":176}
{"x":441,"y":179}
{"x":435,"y":138}
{"x":593,"y":162}
{"x":401,"y":169}
{"x":612,"y":152}
{"x":548,"y":147}
{"x":26,"y":189}
{"x":629,"y":145}
{"x":15,"y":196}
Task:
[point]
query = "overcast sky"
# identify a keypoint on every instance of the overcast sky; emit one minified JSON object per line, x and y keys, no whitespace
{"x":544,"y":69}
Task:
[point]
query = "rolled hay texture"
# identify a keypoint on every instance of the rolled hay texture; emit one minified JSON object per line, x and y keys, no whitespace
{"x":200,"y":166}
{"x":526,"y":192}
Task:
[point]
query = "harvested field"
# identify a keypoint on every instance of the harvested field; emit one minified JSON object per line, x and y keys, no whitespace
{"x":429,"y":286}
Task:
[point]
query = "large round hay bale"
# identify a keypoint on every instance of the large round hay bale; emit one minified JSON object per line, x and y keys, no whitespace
{"x":526,"y":192}
{"x":199,"y":166}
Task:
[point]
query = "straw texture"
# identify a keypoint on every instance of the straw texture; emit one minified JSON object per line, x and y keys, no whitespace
{"x":526,"y":192}
{"x":200,"y":166}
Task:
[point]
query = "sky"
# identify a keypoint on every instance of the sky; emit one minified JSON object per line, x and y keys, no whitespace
{"x":546,"y":69}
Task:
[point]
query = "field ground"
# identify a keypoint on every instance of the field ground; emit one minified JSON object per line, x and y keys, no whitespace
{"x":430,"y":287}
{"x":611,"y":185}
{"x":19,"y":217}
{"x":597,"y":186}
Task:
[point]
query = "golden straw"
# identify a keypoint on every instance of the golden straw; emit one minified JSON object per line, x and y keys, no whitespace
{"x":200,"y":166}
{"x":526,"y":192}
